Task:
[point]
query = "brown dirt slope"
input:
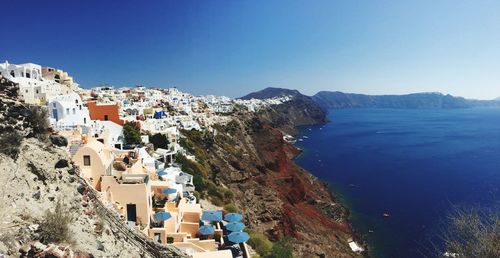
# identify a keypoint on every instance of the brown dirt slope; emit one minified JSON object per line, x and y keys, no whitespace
{"x":277,"y":197}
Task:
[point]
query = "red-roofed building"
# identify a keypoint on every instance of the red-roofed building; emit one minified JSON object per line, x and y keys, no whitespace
{"x":105,"y":112}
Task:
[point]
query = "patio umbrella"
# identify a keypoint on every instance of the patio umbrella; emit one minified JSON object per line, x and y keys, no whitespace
{"x":206,"y":230}
{"x":169,"y":190}
{"x":233,"y":217}
{"x":235,"y":226}
{"x":212,"y":215}
{"x":160,"y":216}
{"x":238,"y":237}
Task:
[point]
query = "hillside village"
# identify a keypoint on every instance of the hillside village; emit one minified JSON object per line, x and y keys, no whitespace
{"x":127,"y":143}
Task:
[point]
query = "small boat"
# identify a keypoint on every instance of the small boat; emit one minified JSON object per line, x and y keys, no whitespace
{"x":386,"y":215}
{"x":300,"y":140}
{"x":289,"y":139}
{"x":305,"y":137}
{"x":370,"y":231}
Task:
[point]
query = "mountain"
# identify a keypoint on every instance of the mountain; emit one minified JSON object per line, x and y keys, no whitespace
{"x":272,"y":92}
{"x":328,"y":99}
{"x":301,"y":110}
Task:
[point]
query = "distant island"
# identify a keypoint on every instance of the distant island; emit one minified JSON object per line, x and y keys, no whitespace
{"x":336,"y":99}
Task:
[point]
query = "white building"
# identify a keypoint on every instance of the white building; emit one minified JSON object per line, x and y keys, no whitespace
{"x":68,"y":111}
{"x":109,"y":133}
{"x":32,"y":87}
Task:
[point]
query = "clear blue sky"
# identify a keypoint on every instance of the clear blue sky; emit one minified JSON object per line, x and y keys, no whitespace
{"x":235,"y":47}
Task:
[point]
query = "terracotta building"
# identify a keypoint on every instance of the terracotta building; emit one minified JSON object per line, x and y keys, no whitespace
{"x":105,"y":112}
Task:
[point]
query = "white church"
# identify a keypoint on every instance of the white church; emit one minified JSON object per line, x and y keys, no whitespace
{"x":68,"y":112}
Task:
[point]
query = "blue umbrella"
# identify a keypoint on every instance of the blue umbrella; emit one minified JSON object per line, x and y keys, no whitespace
{"x":238,"y":237}
{"x":160,"y":216}
{"x":206,"y":230}
{"x":235,"y":226}
{"x":212,"y":215}
{"x":233,"y":217}
{"x":169,"y":191}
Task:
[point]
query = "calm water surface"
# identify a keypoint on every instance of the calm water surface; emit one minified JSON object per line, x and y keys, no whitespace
{"x":413,"y":164}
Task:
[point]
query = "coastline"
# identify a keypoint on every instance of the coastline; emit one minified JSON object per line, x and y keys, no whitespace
{"x":334,"y":193}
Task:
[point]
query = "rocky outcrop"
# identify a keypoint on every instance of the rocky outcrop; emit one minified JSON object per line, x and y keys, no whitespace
{"x":278,"y":197}
{"x":38,"y":178}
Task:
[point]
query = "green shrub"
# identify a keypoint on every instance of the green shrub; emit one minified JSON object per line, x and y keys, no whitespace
{"x":282,"y":249}
{"x":39,"y":122}
{"x":230,"y":208}
{"x":472,"y":232}
{"x":260,"y":243}
{"x":196,"y":143}
{"x":198,"y":171}
{"x":197,"y":195}
{"x":131,"y":134}
{"x":159,"y":141}
{"x":54,"y":227}
{"x":10,"y":143}
{"x":228,"y":194}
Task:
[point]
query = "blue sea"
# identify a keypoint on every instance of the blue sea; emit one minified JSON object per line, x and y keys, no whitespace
{"x":416,"y":165}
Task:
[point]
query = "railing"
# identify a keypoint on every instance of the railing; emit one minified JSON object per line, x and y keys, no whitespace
{"x":147,"y":246}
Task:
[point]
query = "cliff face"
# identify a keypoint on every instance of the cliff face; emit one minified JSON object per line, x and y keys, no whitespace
{"x":277,"y":197}
{"x":328,"y":99}
{"x":302,"y":110}
{"x":38,"y":179}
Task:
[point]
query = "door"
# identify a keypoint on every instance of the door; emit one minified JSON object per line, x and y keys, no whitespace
{"x":131,"y":212}
{"x":54,"y":114}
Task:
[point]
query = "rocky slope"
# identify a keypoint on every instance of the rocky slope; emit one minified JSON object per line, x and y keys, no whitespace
{"x":250,"y":157}
{"x":37,"y":176}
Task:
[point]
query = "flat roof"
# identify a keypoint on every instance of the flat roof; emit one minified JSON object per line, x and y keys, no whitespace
{"x":214,"y":254}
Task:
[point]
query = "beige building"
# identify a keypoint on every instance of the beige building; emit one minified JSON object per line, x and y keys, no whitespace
{"x":59,"y":76}
{"x":137,"y":194}
{"x":95,"y":160}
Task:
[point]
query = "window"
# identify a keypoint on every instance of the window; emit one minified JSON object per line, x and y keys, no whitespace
{"x":86,"y":160}
{"x":84,"y":120}
{"x":106,"y":118}
{"x":67,"y":111}
{"x":12,"y":73}
{"x":76,"y":101}
{"x":28,"y":75}
{"x":54,"y":105}
{"x":36,"y":91}
{"x":74,"y":111}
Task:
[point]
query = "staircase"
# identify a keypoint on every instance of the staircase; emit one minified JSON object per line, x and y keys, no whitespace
{"x":73,"y":148}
